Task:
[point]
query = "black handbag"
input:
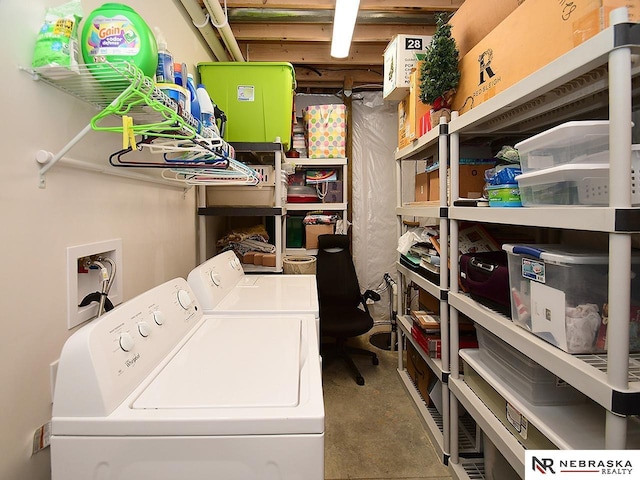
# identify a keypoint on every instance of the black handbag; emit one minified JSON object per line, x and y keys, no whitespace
{"x":485,"y":276}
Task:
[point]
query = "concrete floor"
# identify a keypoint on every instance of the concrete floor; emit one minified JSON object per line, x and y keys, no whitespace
{"x":373,"y":431}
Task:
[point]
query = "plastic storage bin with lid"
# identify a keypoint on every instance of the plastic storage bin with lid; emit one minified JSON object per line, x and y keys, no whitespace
{"x":505,"y":403}
{"x":560,"y":294}
{"x":584,"y":184}
{"x":571,"y":142}
{"x":257,"y":98}
{"x":529,"y":379}
{"x":569,"y":165}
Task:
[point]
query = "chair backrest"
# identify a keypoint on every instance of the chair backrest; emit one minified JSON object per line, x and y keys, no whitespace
{"x":336,"y":273}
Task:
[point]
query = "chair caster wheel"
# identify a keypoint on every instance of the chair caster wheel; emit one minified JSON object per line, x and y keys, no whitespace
{"x":375,"y":361}
{"x":360,"y":381}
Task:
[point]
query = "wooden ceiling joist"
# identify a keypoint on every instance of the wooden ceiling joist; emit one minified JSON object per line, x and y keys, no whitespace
{"x":378,"y":5}
{"x":299,"y":32}
{"x":245,"y":32}
{"x":305,"y":53}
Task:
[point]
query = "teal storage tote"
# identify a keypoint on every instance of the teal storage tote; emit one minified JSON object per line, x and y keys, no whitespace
{"x":257,"y":98}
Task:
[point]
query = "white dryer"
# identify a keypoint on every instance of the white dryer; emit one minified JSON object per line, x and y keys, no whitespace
{"x":157,"y":390}
{"x":222,"y":287}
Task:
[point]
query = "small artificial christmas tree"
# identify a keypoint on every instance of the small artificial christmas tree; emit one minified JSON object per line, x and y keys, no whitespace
{"x":439,"y":74}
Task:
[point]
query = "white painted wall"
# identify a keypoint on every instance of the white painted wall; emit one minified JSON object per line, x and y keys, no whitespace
{"x":157,"y":224}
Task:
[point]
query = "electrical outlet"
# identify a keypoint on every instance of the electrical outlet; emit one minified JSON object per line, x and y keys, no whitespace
{"x":81,"y":280}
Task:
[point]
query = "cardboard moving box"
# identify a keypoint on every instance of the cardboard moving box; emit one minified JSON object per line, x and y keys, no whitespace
{"x":419,"y":373}
{"x":413,"y":115}
{"x":532,"y":36}
{"x":476,"y":18}
{"x":399,"y":59}
{"x":471,"y":181}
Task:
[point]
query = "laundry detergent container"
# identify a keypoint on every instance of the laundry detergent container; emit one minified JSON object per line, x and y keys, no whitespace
{"x":257,"y":98}
{"x":560,"y":294}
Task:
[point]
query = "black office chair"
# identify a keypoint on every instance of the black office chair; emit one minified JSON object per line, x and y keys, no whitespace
{"x":340,"y":298}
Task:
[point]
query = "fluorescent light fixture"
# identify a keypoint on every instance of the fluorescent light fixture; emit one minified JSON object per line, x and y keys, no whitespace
{"x":344,"y":21}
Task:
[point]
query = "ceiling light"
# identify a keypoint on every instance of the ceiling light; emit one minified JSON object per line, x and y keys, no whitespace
{"x":344,"y":21}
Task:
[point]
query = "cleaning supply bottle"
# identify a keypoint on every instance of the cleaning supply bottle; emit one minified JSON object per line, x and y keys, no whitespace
{"x":207,"y":113}
{"x":116,"y":33}
{"x":164,"y":72}
{"x":195,"y":103}
{"x":177,"y":74}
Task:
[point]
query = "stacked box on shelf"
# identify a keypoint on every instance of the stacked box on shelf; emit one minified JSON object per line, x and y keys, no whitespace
{"x":431,"y":343}
{"x":419,"y":372}
{"x":413,"y":115}
{"x":471,"y":179}
{"x":326,"y":130}
{"x":400,"y":58}
{"x":425,"y":329}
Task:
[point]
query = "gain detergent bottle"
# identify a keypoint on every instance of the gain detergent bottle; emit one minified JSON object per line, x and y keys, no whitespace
{"x":115,"y":33}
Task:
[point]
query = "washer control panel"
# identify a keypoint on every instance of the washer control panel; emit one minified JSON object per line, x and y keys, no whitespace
{"x":110,"y":356}
{"x":214,"y":279}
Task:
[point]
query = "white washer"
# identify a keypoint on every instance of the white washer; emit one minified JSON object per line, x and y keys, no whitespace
{"x":157,"y":390}
{"x":222,"y":287}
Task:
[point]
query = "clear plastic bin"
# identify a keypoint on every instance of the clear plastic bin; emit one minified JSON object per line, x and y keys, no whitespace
{"x":526,"y":433}
{"x":530,"y":379}
{"x":571,"y":142}
{"x":575,"y":183}
{"x":560,"y":294}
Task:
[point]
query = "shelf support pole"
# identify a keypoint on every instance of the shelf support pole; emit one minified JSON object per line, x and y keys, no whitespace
{"x":49,"y":160}
{"x":619,"y":244}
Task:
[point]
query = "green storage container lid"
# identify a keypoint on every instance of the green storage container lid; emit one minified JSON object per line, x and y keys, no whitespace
{"x":249,"y":65}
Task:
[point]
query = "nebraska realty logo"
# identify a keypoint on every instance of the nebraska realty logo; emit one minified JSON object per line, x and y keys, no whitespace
{"x":581,"y":464}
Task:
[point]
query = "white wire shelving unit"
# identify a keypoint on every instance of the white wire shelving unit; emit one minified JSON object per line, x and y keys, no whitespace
{"x":293,"y":208}
{"x":149,"y":122}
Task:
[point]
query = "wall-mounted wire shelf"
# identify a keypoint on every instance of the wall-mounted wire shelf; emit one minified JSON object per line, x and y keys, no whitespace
{"x":151,"y":122}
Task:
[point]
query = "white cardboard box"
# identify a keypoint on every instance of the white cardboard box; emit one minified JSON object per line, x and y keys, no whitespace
{"x":399,"y":59}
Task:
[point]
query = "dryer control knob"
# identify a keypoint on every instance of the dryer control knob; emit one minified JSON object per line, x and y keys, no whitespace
{"x":144,"y":329}
{"x":126,"y":342}
{"x":158,"y":317}
{"x":215,"y":278}
{"x":184,"y":299}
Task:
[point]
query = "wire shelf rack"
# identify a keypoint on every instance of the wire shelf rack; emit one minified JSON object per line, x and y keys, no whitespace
{"x":151,"y":122}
